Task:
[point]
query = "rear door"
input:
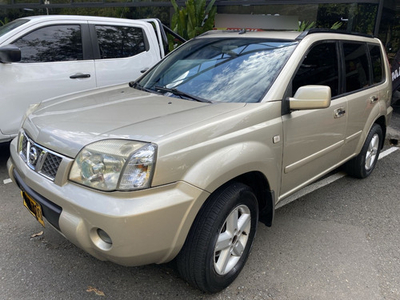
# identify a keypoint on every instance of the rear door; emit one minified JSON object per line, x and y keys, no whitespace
{"x":363,"y":77}
{"x":123,"y":51}
{"x":54,"y":62}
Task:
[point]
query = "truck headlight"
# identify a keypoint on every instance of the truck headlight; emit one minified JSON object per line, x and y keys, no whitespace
{"x":115,"y":165}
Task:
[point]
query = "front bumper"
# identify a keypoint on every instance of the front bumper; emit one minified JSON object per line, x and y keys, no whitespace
{"x":148,"y":226}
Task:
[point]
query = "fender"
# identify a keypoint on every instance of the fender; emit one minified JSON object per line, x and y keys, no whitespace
{"x":233,"y":161}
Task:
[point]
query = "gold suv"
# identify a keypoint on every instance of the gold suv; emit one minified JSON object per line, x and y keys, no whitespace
{"x":183,"y":163}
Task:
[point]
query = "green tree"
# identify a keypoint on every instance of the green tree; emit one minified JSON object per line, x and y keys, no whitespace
{"x":116,"y":12}
{"x":4,"y":22}
{"x":193,"y":19}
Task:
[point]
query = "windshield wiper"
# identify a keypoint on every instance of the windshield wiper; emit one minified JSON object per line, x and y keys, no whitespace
{"x":136,"y":85}
{"x":180,"y":94}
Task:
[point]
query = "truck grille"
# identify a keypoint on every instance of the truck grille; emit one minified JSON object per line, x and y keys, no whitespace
{"x":39,"y":159}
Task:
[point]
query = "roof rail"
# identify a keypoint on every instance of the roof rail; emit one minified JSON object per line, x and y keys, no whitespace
{"x":328,"y":30}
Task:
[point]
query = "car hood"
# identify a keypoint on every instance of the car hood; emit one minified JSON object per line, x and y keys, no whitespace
{"x":67,"y":124}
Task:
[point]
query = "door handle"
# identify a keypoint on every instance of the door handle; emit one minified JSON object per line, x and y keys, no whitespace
{"x":374,"y":99}
{"x":79,"y":76}
{"x":339,"y":112}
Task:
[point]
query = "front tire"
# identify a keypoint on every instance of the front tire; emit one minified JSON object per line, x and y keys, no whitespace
{"x":364,"y":163}
{"x":220,"y":239}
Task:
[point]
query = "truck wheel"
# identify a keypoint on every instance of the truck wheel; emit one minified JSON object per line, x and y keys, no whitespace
{"x":364,"y":163}
{"x":220,"y":239}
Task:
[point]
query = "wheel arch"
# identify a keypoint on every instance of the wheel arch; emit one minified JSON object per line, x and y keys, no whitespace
{"x":381,"y":121}
{"x":265,"y":196}
{"x":260,"y":186}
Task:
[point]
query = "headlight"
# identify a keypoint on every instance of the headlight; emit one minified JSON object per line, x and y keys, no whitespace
{"x":115,"y":165}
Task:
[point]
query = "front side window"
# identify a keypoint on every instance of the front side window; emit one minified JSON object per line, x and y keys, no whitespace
{"x":120,"y":41}
{"x":221,"y":70}
{"x":319,"y":67}
{"x":357,"y":68}
{"x":51,"y":44}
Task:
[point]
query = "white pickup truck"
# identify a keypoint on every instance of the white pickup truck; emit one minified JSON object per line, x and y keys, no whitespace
{"x":46,"y":56}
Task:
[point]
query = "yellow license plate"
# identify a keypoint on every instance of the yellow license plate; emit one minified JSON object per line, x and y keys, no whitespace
{"x":34,"y":208}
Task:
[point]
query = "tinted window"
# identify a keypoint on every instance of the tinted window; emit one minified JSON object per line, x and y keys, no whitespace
{"x":11,"y":26}
{"x":377,"y":65}
{"x":319,"y":67}
{"x":52,"y":43}
{"x":118,"y":41}
{"x":357,"y":69}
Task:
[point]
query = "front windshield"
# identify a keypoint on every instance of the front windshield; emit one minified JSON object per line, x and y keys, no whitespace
{"x":12,"y":25}
{"x":221,"y":70}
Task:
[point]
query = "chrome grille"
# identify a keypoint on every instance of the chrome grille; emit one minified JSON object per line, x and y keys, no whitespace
{"x":41,"y":160}
{"x":50,"y":165}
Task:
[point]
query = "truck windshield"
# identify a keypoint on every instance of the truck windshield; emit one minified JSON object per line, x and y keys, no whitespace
{"x":221,"y":70}
{"x":12,"y":25}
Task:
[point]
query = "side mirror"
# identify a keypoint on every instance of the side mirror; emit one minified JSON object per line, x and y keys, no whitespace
{"x":311,"y":97}
{"x":10,"y":54}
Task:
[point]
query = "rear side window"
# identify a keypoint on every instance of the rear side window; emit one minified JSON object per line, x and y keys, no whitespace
{"x":319,"y":67}
{"x":51,"y":43}
{"x":357,"y":68}
{"x":377,"y":63}
{"x":120,"y":41}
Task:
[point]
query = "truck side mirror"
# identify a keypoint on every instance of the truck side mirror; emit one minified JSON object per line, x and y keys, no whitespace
{"x":10,"y":54}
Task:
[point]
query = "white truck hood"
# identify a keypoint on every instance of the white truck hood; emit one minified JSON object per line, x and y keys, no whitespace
{"x":67,"y":124}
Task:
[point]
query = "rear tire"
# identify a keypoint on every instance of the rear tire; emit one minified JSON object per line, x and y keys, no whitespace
{"x":364,"y":163}
{"x":220,"y":239}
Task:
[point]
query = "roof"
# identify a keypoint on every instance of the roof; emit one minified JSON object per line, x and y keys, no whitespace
{"x":281,"y":35}
{"x":285,"y":35}
{"x":77,"y":18}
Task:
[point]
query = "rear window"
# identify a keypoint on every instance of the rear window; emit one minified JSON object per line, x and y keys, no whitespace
{"x":12,"y":25}
{"x":377,"y":63}
{"x":120,"y":41}
{"x":357,"y":67}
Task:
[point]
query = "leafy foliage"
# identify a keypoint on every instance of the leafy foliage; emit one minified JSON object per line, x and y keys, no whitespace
{"x":193,"y":19}
{"x":337,"y":25}
{"x":303,"y":26}
{"x":4,"y":22}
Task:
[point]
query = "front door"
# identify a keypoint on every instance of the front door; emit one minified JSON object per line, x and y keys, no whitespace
{"x":52,"y":64}
{"x":313,"y":139}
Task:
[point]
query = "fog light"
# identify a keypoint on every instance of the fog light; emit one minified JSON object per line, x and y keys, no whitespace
{"x":104,"y":236}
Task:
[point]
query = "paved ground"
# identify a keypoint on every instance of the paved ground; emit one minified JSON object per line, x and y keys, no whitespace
{"x":338,"y":242}
{"x":393,"y":133}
